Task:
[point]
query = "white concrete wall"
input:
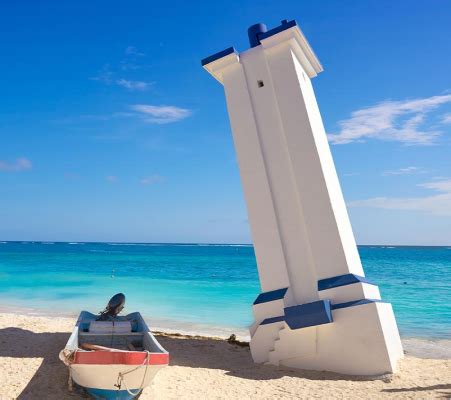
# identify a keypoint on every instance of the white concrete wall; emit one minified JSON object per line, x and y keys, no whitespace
{"x":316,"y":179}
{"x":355,"y":291}
{"x":362,"y":340}
{"x":295,"y":205}
{"x":287,"y":207}
{"x":298,"y":217}
{"x":256,"y":182}
{"x":266,"y":310}
{"x":263,"y":341}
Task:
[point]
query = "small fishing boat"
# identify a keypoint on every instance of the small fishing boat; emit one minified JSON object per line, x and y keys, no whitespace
{"x":111,"y":356}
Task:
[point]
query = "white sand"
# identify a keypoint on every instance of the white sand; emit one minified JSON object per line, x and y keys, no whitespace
{"x":201,"y":368}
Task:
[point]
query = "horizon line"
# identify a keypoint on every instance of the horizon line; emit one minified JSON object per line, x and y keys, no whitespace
{"x":196,"y":243}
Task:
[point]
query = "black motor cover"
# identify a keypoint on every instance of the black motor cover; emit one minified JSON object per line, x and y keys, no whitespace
{"x":114,"y":307}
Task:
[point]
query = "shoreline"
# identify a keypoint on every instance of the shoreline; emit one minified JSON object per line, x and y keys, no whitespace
{"x":200,"y":367}
{"x":156,"y":324}
{"x":426,"y":348}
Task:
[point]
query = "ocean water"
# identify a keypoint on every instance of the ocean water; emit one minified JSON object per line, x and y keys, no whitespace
{"x":205,"y":288}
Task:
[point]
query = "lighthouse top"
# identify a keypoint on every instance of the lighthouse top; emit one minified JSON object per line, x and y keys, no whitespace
{"x":259,"y":35}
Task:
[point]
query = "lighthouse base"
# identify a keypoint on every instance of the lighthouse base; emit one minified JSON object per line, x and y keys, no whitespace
{"x":362,"y":339}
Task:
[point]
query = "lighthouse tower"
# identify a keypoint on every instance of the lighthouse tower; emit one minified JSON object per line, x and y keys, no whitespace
{"x":316,"y":310}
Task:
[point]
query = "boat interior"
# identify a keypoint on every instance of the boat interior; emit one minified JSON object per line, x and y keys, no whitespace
{"x":128,"y":333}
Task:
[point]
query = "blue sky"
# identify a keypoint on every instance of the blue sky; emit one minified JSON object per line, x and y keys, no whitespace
{"x":110,"y":130}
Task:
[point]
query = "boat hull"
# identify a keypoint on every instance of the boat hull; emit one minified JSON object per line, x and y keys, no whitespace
{"x":99,"y":359}
{"x":108,"y":377}
{"x":103,"y":394}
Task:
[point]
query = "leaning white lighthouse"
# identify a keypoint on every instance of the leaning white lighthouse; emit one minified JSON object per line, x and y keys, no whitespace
{"x":316,"y":310}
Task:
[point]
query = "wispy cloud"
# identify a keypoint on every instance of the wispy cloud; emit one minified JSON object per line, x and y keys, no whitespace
{"x":435,"y":204}
{"x":404,"y":171}
{"x":133,"y":51}
{"x":111,"y":178}
{"x":18,"y":165}
{"x":132,"y":60}
{"x":105,"y":75}
{"x":402,"y":121}
{"x":440,"y":185}
{"x":109,"y":75}
{"x":152,"y":180}
{"x":161,"y":114}
{"x":133,"y":85}
{"x":446,"y":119}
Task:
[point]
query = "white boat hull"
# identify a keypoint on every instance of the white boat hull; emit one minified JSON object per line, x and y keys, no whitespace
{"x":108,"y":376}
{"x":113,"y":359}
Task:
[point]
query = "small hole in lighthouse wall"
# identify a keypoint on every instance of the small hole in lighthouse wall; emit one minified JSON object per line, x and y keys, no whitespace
{"x":260,"y":84}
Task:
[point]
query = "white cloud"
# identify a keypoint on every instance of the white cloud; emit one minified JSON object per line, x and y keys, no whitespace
{"x":133,"y":85}
{"x":161,"y":114}
{"x":152,"y":179}
{"x":108,"y":76}
{"x":440,"y":186}
{"x":20,"y":164}
{"x":404,"y":171}
{"x":111,"y":178}
{"x":105,"y":75}
{"x":446,"y":119}
{"x":133,"y":51}
{"x":401,"y":121}
{"x":436,"y":204}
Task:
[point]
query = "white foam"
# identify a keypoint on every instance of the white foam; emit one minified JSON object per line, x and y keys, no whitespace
{"x":426,"y":348}
{"x":132,"y":244}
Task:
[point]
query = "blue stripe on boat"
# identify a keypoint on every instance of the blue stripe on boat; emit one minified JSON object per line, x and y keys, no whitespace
{"x":105,"y":394}
{"x":341,"y":280}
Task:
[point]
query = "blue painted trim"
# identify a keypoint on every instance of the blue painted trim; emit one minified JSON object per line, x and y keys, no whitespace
{"x":355,"y":303}
{"x":282,"y":27}
{"x":105,"y":394}
{"x":254,"y":33}
{"x":218,"y":55}
{"x":341,"y":280}
{"x":309,"y":314}
{"x":270,"y":296}
{"x":272,"y":320}
{"x":313,"y":314}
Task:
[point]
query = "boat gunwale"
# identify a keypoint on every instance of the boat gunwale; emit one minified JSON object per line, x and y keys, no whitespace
{"x":120,"y":357}
{"x":116,"y":356}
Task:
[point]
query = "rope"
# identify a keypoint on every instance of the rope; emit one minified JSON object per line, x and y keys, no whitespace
{"x":70,"y":383}
{"x":67,"y":357}
{"x":121,"y":376}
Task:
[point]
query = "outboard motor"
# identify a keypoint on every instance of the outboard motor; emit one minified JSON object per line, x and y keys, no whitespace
{"x":114,"y":307}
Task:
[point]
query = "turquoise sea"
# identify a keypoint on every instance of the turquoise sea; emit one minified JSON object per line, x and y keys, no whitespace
{"x":205,"y":288}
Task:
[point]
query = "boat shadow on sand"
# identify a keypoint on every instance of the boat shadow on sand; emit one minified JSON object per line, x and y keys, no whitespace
{"x":49,"y":380}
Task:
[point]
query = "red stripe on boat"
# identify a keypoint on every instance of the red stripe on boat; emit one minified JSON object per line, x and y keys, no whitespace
{"x":119,"y":357}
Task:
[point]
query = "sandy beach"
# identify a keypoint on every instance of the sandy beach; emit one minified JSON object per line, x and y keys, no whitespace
{"x":201,"y":368}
